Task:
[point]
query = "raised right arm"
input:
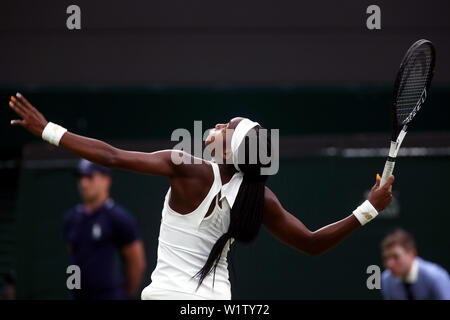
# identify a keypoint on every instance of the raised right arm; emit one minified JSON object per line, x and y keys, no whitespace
{"x":291,"y":231}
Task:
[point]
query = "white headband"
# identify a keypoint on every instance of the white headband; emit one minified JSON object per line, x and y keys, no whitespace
{"x":238,"y":135}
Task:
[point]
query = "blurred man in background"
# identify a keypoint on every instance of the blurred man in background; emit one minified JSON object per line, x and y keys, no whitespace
{"x":96,"y":231}
{"x":8,"y":289}
{"x":409,"y":277}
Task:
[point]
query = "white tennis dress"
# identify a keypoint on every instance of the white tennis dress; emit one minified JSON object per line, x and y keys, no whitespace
{"x":185,"y":242}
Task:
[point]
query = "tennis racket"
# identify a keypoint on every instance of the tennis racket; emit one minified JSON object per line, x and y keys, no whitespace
{"x":410,"y":92}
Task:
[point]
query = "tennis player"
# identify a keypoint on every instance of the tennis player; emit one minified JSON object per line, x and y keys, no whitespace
{"x":208,"y":205}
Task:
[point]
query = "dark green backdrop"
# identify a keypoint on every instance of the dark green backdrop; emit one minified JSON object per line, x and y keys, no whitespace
{"x":317,"y":190}
{"x":147,"y":114}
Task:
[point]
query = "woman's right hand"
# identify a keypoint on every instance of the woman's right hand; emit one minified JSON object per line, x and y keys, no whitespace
{"x":381,"y":196}
{"x":32,"y":120}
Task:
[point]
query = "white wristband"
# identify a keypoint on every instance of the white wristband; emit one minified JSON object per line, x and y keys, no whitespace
{"x":53,"y":133}
{"x":365,"y":212}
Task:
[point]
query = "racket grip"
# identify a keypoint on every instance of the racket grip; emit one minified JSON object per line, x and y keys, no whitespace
{"x":387,"y":171}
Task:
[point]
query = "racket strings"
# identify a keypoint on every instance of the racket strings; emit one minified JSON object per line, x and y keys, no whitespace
{"x":413,"y":82}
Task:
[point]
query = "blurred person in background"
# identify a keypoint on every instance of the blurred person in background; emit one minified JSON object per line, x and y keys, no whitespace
{"x":96,"y":231}
{"x":8,"y":289}
{"x":407,"y":276}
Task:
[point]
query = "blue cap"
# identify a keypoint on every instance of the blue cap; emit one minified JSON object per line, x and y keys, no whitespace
{"x":86,"y":167}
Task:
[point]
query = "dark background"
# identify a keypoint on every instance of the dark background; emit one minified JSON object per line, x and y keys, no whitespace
{"x":137,"y":70}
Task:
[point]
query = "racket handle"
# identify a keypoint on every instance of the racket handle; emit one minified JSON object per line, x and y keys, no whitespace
{"x":387,"y":171}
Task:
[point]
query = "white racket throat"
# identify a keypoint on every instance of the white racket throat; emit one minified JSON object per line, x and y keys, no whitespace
{"x":393,"y":151}
{"x":395,"y":145}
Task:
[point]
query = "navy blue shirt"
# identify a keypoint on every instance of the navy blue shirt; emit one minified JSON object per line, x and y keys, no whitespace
{"x":96,"y":240}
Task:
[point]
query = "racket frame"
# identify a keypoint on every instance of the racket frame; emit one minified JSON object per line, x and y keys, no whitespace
{"x":398,"y":136}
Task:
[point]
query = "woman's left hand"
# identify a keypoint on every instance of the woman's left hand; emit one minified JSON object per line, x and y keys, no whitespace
{"x":32,"y":120}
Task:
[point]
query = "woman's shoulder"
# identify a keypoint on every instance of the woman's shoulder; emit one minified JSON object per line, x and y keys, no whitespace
{"x":190,"y":165}
{"x":269,"y":196}
{"x":271,"y":203}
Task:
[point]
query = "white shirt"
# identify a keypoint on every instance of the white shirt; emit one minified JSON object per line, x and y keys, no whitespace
{"x":413,"y":273}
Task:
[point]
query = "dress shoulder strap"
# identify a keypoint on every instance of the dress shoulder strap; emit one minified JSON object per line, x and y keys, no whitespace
{"x":194,"y":218}
{"x":215,"y":189}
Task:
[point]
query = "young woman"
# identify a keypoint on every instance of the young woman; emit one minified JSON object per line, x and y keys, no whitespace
{"x":209,"y":204}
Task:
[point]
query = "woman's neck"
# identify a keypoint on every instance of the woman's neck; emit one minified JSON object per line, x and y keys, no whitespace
{"x":226,"y":172}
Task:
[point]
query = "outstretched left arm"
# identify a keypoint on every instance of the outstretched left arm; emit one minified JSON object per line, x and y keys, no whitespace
{"x":291,"y":231}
